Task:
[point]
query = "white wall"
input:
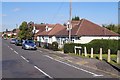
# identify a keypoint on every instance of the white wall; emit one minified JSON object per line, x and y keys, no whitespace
{"x":54,"y":39}
{"x":82,"y":40}
{"x":38,"y":38}
{"x":9,"y":34}
{"x":87,"y":39}
{"x":34,"y":29}
{"x":47,"y":28}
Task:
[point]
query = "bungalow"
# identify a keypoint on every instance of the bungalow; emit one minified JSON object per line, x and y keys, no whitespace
{"x":49,"y":35}
{"x":38,"y":28}
{"x":83,"y":31}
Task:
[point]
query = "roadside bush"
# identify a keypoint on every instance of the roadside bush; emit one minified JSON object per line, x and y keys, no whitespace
{"x":54,"y":46}
{"x":114,"y":45}
{"x":45,"y":45}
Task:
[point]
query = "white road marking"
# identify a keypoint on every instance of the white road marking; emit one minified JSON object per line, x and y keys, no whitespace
{"x":16,"y":52}
{"x":42,"y":72}
{"x":24,"y":58}
{"x":95,"y":75}
{"x":11,"y":48}
{"x":8,"y":46}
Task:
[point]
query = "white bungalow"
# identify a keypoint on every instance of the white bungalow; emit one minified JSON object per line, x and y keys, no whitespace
{"x":83,"y":31}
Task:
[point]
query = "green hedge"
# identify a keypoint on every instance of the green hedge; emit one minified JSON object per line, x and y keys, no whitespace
{"x":114,"y":45}
{"x":53,"y":46}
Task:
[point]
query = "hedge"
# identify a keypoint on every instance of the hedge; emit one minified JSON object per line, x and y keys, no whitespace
{"x":53,"y":46}
{"x":114,"y":45}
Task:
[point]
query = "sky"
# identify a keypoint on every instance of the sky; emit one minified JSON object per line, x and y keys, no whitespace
{"x":56,"y":12}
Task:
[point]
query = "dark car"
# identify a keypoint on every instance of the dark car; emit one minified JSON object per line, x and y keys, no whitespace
{"x":13,"y":40}
{"x":29,"y":44}
{"x":18,"y":42}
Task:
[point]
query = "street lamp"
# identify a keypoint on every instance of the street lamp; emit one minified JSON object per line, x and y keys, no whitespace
{"x":69,"y":27}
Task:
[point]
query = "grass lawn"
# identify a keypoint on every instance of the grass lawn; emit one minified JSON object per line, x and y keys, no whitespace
{"x":96,"y":56}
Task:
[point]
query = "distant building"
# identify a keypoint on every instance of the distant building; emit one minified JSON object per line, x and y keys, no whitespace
{"x":14,"y":32}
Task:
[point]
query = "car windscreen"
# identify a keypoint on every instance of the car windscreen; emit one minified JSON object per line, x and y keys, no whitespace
{"x":30,"y":41}
{"x":13,"y":39}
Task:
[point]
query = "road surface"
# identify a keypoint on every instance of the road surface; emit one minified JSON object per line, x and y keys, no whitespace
{"x":19,"y":63}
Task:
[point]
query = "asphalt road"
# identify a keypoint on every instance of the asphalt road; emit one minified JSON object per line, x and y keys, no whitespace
{"x":19,"y":63}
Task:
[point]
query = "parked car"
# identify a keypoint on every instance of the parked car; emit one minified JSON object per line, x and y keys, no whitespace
{"x":13,"y":40}
{"x":18,"y":42}
{"x":29,"y":44}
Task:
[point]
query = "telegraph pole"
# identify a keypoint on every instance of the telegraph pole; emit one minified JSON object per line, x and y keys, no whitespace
{"x":70,"y":19}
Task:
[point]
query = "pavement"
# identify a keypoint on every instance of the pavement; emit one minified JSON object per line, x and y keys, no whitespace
{"x":86,"y":62}
{"x":43,"y":63}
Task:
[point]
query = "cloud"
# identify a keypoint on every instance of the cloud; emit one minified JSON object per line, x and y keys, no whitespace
{"x":3,"y":15}
{"x":16,"y":9}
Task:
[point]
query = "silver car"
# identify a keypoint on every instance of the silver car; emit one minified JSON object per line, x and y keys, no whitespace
{"x":29,"y":44}
{"x":13,"y":40}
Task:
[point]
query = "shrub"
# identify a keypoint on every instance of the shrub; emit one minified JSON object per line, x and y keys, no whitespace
{"x":54,"y":46}
{"x":96,"y":44}
{"x":45,"y":45}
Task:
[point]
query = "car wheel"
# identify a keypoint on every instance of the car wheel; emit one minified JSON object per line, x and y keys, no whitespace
{"x":25,"y":48}
{"x":35,"y":49}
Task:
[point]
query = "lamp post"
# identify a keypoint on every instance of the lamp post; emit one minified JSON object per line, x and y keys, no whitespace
{"x":69,"y":30}
{"x":69,"y":22}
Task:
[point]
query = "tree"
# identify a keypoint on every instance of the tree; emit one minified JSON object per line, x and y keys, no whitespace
{"x":14,"y":30}
{"x":64,"y":24}
{"x":5,"y":35}
{"x":112,"y":27}
{"x":25,"y":31}
{"x":12,"y":36}
{"x":76,"y":18}
{"x":6,"y":30}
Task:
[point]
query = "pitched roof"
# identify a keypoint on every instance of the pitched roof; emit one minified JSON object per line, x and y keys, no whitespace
{"x":40,"y":26}
{"x":9,"y":32}
{"x":84,"y":27}
{"x":16,"y":31}
{"x":53,"y":31}
{"x":50,"y":25}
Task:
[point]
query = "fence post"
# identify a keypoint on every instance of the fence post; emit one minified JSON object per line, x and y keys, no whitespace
{"x":91,"y":52}
{"x":85,"y":51}
{"x":118,"y":56}
{"x":100,"y":53}
{"x":75,"y":49}
{"x":109,"y":58}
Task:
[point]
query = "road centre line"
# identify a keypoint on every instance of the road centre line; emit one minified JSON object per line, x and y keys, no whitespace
{"x":24,"y":58}
{"x":16,"y":52}
{"x":11,"y":48}
{"x":43,"y":72}
{"x":95,"y":75}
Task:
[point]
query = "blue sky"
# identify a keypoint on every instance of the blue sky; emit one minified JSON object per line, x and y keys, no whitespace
{"x":57,"y":12}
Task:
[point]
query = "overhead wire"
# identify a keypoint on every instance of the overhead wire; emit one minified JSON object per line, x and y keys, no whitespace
{"x":56,"y":14}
